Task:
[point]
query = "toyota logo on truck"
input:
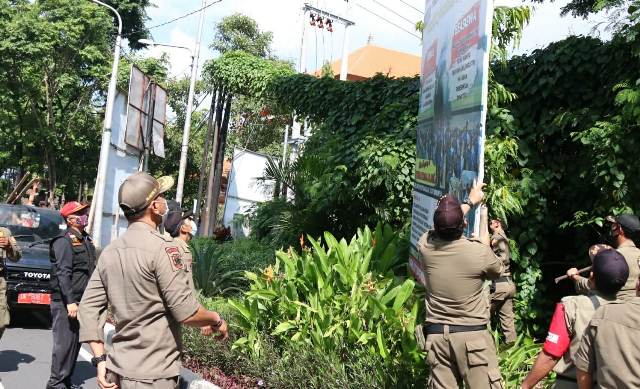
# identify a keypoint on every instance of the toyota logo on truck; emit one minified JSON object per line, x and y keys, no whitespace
{"x":40,"y":276}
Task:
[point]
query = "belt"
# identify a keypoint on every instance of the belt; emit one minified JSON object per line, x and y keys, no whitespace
{"x":430,"y":329}
{"x":504,"y":279}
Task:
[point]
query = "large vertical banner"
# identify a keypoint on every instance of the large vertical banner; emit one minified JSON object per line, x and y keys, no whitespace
{"x":453,"y":104}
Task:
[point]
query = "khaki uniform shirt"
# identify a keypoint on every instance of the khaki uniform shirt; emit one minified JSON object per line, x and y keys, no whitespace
{"x":609,"y":348}
{"x":15,"y":253}
{"x":500,"y":246}
{"x":632,"y":255}
{"x":140,"y":275}
{"x":578,"y":311}
{"x":455,"y":272}
{"x":187,"y":260}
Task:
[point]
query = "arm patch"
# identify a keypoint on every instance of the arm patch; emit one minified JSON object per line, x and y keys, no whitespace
{"x":175,"y":258}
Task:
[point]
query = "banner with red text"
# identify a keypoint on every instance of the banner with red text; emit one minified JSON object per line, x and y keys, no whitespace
{"x":453,"y":104}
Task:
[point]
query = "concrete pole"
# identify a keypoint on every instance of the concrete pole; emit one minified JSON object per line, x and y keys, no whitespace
{"x":187,"y":120}
{"x":302,"y":63}
{"x":98,"y":196}
{"x":344,"y":63}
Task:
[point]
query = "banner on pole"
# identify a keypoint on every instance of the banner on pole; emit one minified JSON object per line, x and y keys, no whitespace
{"x":453,"y":103}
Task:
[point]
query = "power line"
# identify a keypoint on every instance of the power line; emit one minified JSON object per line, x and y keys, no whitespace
{"x":393,"y":12}
{"x":409,"y":5}
{"x":172,"y":20}
{"x":388,"y":21}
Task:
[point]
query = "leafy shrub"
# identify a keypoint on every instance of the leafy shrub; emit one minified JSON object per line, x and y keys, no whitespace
{"x":284,"y":368}
{"x":218,"y":267}
{"x":337,"y":298}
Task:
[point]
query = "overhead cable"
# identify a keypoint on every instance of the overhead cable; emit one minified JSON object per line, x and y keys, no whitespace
{"x":172,"y":20}
{"x":394,"y":12}
{"x":409,"y":5}
{"x":388,"y":21}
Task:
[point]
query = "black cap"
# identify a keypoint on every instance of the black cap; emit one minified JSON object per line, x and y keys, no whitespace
{"x":610,"y":269}
{"x":174,"y":221}
{"x":448,"y":216}
{"x":628,"y":222}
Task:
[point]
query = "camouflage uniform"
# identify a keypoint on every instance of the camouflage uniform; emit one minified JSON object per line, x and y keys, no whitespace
{"x":14,"y":255}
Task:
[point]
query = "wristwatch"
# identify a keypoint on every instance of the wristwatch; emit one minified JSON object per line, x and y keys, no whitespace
{"x":217,"y":324}
{"x":96,"y":360}
{"x":468,"y":202}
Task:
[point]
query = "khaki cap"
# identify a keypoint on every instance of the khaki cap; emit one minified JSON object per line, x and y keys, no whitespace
{"x":139,"y":190}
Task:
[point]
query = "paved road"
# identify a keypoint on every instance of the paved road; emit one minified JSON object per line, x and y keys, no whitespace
{"x":25,"y":356}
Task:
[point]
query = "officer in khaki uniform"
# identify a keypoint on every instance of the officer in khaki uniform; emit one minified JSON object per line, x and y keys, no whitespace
{"x":504,"y":288}
{"x":180,"y":226}
{"x":609,"y":355}
{"x":459,"y":345}
{"x":622,"y":229}
{"x":141,"y":276}
{"x":9,"y":249}
{"x":609,"y":273}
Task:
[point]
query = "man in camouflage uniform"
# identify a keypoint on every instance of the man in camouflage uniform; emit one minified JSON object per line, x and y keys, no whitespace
{"x":572,"y":315}
{"x":503,"y":289}
{"x":9,"y":249}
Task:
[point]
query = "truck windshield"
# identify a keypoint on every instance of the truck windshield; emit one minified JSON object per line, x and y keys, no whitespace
{"x":31,"y":224}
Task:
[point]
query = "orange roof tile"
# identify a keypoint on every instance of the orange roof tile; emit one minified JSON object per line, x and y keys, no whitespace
{"x":368,"y":60}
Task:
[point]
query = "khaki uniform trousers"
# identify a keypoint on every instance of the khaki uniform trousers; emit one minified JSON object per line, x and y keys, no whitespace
{"x":4,"y":308}
{"x":468,"y":357}
{"x":128,"y":383}
{"x":502,"y":303}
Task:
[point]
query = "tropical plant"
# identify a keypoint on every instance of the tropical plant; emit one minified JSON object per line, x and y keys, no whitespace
{"x":333,"y":297}
{"x":218,"y":267}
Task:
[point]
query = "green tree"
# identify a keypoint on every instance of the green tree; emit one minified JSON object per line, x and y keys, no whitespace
{"x":239,"y":32}
{"x":54,"y":63}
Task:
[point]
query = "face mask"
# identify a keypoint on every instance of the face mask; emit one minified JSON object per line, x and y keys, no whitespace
{"x":194,"y":228}
{"x":82,"y":221}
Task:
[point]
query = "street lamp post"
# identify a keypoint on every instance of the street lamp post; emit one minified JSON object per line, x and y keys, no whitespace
{"x":187,"y":122}
{"x":98,"y":195}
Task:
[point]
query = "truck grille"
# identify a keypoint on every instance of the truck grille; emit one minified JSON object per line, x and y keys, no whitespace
{"x":31,"y":278}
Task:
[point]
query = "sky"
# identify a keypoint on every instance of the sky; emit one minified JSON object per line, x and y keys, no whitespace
{"x":392,"y":27}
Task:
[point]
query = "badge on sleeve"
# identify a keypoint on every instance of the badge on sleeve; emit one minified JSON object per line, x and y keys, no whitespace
{"x":175,"y":258}
{"x":75,"y":241}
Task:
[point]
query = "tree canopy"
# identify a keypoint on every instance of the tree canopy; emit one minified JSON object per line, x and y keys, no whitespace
{"x":239,"y":32}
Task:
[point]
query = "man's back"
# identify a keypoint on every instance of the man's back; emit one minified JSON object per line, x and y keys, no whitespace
{"x":609,"y":349}
{"x":141,"y":275}
{"x":632,"y":255}
{"x":455,"y":272}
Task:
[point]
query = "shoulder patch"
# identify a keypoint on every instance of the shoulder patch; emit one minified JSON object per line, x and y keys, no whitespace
{"x":75,"y":241}
{"x":165,"y":237}
{"x":174,"y":257}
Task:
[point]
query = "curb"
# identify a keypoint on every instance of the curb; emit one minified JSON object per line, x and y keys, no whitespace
{"x":188,"y":379}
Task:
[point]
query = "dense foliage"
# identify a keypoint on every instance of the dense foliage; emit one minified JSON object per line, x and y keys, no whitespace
{"x":336,"y":296}
{"x":218,"y":267}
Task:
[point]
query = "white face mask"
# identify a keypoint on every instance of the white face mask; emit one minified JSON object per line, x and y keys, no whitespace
{"x":194,"y":228}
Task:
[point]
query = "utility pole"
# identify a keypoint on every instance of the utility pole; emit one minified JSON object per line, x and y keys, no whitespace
{"x":95,"y":216}
{"x":219,"y":163}
{"x":206,"y":152}
{"x":344,"y":63}
{"x":307,"y":8}
{"x":148,"y":138}
{"x":207,"y":228}
{"x":187,"y":122}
